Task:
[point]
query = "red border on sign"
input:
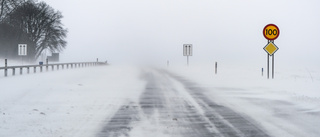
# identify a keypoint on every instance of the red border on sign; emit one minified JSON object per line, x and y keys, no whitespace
{"x":268,"y":26}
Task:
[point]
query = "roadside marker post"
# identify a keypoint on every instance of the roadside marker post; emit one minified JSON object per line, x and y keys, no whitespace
{"x":270,"y":32}
{"x":216,"y":68}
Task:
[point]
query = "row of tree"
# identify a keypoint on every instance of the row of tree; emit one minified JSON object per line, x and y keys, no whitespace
{"x":33,"y":23}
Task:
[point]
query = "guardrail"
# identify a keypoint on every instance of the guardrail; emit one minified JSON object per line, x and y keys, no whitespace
{"x":47,"y":66}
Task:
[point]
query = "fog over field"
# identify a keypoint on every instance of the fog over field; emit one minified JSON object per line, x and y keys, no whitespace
{"x":229,"y":32}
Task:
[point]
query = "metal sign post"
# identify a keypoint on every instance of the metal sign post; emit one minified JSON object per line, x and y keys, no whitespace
{"x":268,"y":66}
{"x":273,"y":66}
{"x":271,"y":32}
{"x":187,"y":51}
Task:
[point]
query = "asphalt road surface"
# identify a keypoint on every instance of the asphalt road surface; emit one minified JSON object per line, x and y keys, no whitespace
{"x":178,"y":107}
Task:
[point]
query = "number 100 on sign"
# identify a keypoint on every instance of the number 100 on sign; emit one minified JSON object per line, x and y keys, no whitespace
{"x":271,"y":32}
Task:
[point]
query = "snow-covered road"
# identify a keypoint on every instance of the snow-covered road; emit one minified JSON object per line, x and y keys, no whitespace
{"x":117,"y":101}
{"x":175,"y":107}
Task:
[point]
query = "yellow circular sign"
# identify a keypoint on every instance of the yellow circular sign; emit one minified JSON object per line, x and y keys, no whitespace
{"x":271,"y":32}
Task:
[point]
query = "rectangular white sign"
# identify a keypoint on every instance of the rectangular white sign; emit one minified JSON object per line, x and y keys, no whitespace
{"x":187,"y":49}
{"x":22,"y":49}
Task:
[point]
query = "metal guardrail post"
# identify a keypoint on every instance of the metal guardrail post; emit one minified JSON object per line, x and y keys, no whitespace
{"x":13,"y":71}
{"x":47,"y":63}
{"x":5,"y":70}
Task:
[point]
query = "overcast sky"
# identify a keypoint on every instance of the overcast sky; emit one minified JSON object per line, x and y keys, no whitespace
{"x":153,"y":31}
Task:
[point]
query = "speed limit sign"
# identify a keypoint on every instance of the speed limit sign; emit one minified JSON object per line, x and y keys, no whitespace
{"x":271,"y":32}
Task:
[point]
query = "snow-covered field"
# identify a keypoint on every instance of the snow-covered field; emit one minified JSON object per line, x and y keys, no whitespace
{"x":64,"y":103}
{"x":81,"y":102}
{"x":288,"y":105}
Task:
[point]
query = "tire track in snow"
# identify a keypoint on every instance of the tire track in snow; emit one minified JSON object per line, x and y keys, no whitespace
{"x":161,"y":96}
{"x":119,"y":124}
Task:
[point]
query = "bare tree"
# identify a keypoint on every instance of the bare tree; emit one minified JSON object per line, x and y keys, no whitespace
{"x":41,"y":23}
{"x":6,"y":6}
